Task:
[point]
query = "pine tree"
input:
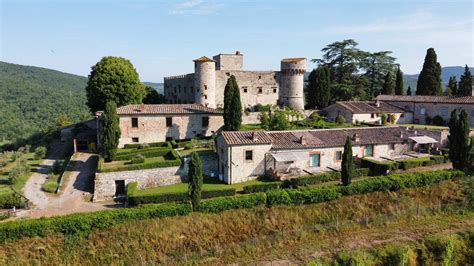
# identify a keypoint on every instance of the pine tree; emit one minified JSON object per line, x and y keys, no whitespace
{"x":399,"y":82}
{"x":195,"y":180}
{"x":110,"y":132}
{"x":465,"y":83}
{"x":429,"y":80}
{"x":236,"y":107}
{"x":453,"y":85}
{"x":347,"y":164}
{"x":388,"y":85}
{"x":459,"y":141}
{"x":448,"y":91}
{"x":409,"y":90}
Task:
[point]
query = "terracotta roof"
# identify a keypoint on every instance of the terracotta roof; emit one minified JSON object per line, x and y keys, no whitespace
{"x":292,"y":60}
{"x":138,"y":109}
{"x":360,"y":107}
{"x":203,"y":59}
{"x":320,"y":138}
{"x":427,"y":99}
{"x":246,"y":137}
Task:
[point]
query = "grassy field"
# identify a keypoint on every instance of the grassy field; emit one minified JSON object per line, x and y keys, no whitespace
{"x":424,"y":126}
{"x":283,"y":234}
{"x":116,"y":164}
{"x":21,"y":180}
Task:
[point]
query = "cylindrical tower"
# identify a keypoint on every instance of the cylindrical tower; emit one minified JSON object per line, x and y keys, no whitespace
{"x":292,"y":82}
{"x":205,"y":81}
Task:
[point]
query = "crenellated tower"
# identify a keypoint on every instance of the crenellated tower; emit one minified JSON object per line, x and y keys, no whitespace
{"x":292,"y":82}
{"x":205,"y":81}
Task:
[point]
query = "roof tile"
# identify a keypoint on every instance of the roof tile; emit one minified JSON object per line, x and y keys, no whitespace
{"x":138,"y":109}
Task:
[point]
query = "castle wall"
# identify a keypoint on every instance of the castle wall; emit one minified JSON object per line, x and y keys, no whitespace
{"x":205,"y":83}
{"x":180,"y":89}
{"x":229,"y":61}
{"x":292,"y":82}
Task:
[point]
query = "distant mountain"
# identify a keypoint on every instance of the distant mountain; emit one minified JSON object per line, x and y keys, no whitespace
{"x":446,"y":72}
{"x":31,"y":99}
{"x":160,"y":87}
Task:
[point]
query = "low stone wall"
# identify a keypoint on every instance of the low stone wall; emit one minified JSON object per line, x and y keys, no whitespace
{"x":105,"y":182}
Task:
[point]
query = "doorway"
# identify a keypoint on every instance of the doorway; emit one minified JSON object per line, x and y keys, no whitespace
{"x":119,"y":187}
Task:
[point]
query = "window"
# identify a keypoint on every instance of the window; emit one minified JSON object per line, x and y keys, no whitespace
{"x":169,"y":121}
{"x":205,"y":87}
{"x":245,"y":89}
{"x":134,"y":122}
{"x":392,"y":146}
{"x":205,"y":121}
{"x":315,"y":160}
{"x":372,"y":115}
{"x":274,"y":90}
{"x":135,"y":140}
{"x":259,"y":77}
{"x":205,"y":97}
{"x":369,"y":150}
{"x":422,"y":111}
{"x":260,"y":90}
{"x":248,"y":155}
{"x":338,"y":155}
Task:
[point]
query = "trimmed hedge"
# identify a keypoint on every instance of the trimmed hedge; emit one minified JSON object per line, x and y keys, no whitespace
{"x":321,"y":178}
{"x":84,"y":223}
{"x":134,"y":198}
{"x":235,"y":202}
{"x":172,"y":160}
{"x":413,"y":163}
{"x":153,"y":144}
{"x":378,"y":168}
{"x":263,"y":187}
{"x":147,"y":153}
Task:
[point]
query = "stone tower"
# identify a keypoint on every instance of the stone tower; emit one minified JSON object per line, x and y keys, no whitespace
{"x":292,"y":82}
{"x":205,"y":81}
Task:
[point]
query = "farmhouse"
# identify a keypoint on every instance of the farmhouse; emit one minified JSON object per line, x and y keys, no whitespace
{"x":367,"y":112}
{"x":149,"y":123}
{"x":244,"y":156}
{"x":426,"y":108}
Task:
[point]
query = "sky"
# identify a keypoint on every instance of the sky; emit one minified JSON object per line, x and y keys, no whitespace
{"x":161,"y":38}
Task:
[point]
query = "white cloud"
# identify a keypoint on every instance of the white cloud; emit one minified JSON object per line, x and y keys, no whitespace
{"x":196,"y":7}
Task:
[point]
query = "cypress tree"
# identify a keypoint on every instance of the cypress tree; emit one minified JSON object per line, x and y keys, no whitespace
{"x":409,"y":90}
{"x":453,"y":85}
{"x":465,"y":84}
{"x":228,"y":96}
{"x":312,"y":95}
{"x":324,"y":87}
{"x":399,"y":82}
{"x":459,"y":141}
{"x":110,"y":131}
{"x":347,"y":164}
{"x":388,"y":85}
{"x":195,"y":180}
{"x":236,"y":107}
{"x":429,"y":80}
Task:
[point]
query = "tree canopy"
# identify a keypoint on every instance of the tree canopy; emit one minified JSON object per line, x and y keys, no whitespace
{"x":459,"y":140}
{"x":429,"y":80}
{"x":399,"y":82}
{"x":319,"y":88}
{"x":465,"y":84}
{"x":152,"y":96}
{"x":347,"y":164}
{"x":110,"y":131}
{"x":388,"y":85}
{"x":232,"y":105}
{"x":113,"y":79}
{"x":195,"y":180}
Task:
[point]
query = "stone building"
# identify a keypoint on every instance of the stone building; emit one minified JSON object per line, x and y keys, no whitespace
{"x":244,"y":156}
{"x":425,"y":108}
{"x":367,"y":112}
{"x":147,"y":123}
{"x":206,"y":85}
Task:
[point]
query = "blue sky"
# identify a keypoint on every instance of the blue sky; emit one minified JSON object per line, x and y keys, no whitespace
{"x":162,"y":37}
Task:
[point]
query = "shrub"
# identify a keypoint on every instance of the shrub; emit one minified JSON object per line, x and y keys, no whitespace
{"x":143,"y":146}
{"x":57,"y":167}
{"x":311,"y":179}
{"x":445,"y":249}
{"x":412,"y":163}
{"x":262,"y":187}
{"x":188,"y":146}
{"x":173,"y":143}
{"x":9,"y":200}
{"x":378,"y":168}
{"x":361,"y":172}
{"x":314,"y":195}
{"x":147,"y":153}
{"x":235,"y":202}
{"x":277,"y":197}
{"x":438,"y":121}
{"x":40,"y":152}
{"x":153,"y":144}
{"x":84,"y":223}
{"x":50,"y":186}
{"x":438,"y":159}
{"x":138,"y":159}
{"x":340,"y":119}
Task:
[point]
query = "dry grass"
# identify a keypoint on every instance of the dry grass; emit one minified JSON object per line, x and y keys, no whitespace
{"x":295,"y":233}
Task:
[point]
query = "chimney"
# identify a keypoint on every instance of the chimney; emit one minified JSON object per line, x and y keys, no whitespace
{"x":401,"y":134}
{"x":254,"y":136}
{"x":302,"y":140}
{"x":377,"y":103}
{"x":472,"y":90}
{"x":356,"y":137}
{"x":237,"y":52}
{"x":142,"y":107}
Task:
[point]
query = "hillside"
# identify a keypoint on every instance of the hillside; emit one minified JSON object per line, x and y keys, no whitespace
{"x":446,"y":72}
{"x":31,"y":98}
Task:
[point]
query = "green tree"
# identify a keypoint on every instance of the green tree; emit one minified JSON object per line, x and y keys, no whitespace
{"x":452,"y":85}
{"x":399,"y":82}
{"x":113,"y":79}
{"x":265,"y":121}
{"x":409,"y":90}
{"x":376,"y":65}
{"x":465,"y":83}
{"x":459,"y":141}
{"x":388,"y":85}
{"x":311,"y":90}
{"x":195,"y":180}
{"x":347,"y":164}
{"x":232,"y":105}
{"x":110,"y":131}
{"x":319,"y":88}
{"x":62,"y":121}
{"x":40,"y":152}
{"x":429,"y":80}
{"x":152,"y":96}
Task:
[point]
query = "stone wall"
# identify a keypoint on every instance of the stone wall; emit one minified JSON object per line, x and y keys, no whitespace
{"x":229,"y":61}
{"x":152,"y":128}
{"x":180,"y":89}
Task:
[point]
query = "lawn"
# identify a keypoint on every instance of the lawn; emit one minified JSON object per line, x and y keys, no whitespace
{"x":424,"y":126}
{"x":21,"y":180}
{"x":209,"y":184}
{"x":200,"y":151}
{"x":115,"y":164}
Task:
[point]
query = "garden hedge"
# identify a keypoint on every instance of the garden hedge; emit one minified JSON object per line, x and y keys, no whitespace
{"x":263,"y":187}
{"x":378,"y":168}
{"x":233,"y":202}
{"x":321,"y":178}
{"x":413,"y":163}
{"x":153,"y":144}
{"x":84,"y":223}
{"x":172,"y":160}
{"x":147,"y":153}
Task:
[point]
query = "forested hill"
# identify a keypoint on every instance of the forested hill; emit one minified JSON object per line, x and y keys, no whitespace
{"x":32,"y":98}
{"x":446,"y":73}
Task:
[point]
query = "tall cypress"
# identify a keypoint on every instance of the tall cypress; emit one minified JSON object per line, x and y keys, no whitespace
{"x":195,"y":180}
{"x":311,"y":93}
{"x":228,"y":98}
{"x":429,"y":80}
{"x":236,"y":106}
{"x":399,"y":82}
{"x":409,"y":90}
{"x":324,"y":87}
{"x":388,"y":85}
{"x":347,"y":164}
{"x":459,"y":141}
{"x":110,"y":131}
{"x":465,"y":84}
{"x":453,"y":85}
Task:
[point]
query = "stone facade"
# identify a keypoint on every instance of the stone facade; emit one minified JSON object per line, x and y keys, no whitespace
{"x":153,"y":128}
{"x":206,"y":85}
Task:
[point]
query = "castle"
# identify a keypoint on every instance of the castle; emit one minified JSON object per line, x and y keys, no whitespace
{"x":206,"y":85}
